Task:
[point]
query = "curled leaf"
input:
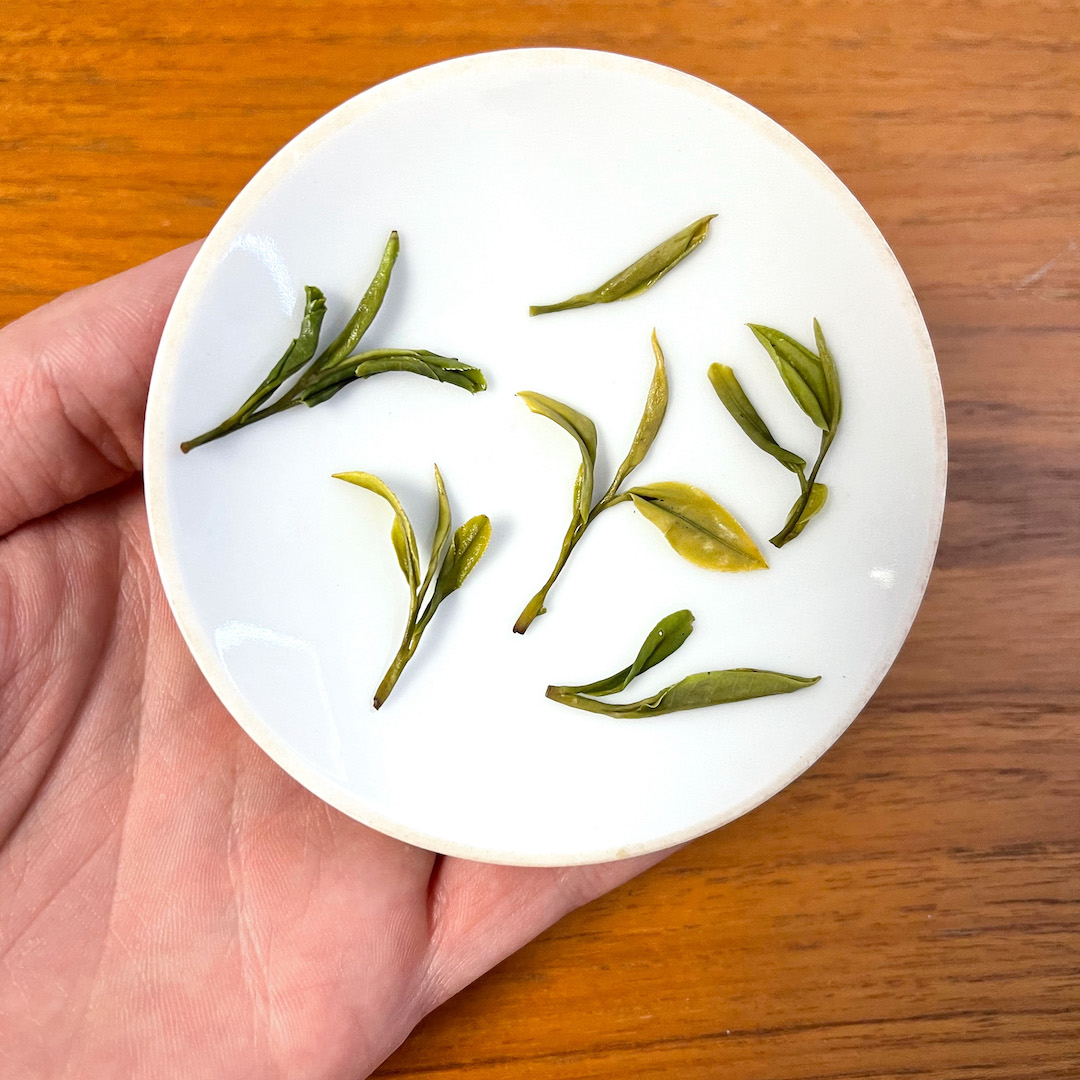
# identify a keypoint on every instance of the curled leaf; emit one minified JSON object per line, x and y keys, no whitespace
{"x":731,"y":393}
{"x":458,"y":556}
{"x":303,"y":346}
{"x":640,"y":275}
{"x":334,"y":368}
{"x":446,"y":369}
{"x":651,"y":419}
{"x":366,"y":310}
{"x":801,"y":513}
{"x":324,"y":386}
{"x":694,"y":692}
{"x":418,"y":361}
{"x":579,"y":482}
{"x":401,"y":549}
{"x":327,"y":390}
{"x":401,"y":533}
{"x":832,"y":377}
{"x":442,"y":531}
{"x":666,"y":637}
{"x":468,"y":545}
{"x":583,"y":430}
{"x":698,"y":527}
{"x":301,"y":349}
{"x":801,"y":371}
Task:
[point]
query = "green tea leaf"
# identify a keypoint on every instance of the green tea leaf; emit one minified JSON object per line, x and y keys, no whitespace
{"x":832,"y":377}
{"x":401,"y":547}
{"x":818,"y":496}
{"x":442,"y":532}
{"x":665,"y":638}
{"x":366,"y":310}
{"x":446,"y":369}
{"x":801,"y":371}
{"x":583,"y":430}
{"x":694,"y":692}
{"x":579,"y":425}
{"x":458,"y":556}
{"x":468,"y":545}
{"x":698,"y":527}
{"x":805,"y":507}
{"x":303,"y":346}
{"x":579,"y":483}
{"x":301,"y":349}
{"x":334,"y":368}
{"x":315,"y":389}
{"x":418,"y":361}
{"x":401,"y":533}
{"x":731,"y":393}
{"x":327,"y":389}
{"x":640,"y":275}
{"x":651,"y":419}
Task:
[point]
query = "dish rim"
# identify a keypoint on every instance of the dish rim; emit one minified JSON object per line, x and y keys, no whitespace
{"x":191,"y":290}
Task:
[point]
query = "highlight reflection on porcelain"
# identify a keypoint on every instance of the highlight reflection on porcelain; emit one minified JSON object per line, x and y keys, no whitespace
{"x":248,"y":651}
{"x":265,"y":250}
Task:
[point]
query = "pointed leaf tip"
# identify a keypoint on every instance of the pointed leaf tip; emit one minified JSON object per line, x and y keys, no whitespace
{"x":665,"y":638}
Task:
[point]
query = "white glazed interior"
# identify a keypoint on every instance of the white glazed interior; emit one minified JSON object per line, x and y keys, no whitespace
{"x":515,"y":178}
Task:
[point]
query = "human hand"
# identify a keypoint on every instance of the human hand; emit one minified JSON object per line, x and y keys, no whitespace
{"x":171,"y":902}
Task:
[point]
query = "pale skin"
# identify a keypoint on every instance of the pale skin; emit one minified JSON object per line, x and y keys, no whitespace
{"x":171,"y":902}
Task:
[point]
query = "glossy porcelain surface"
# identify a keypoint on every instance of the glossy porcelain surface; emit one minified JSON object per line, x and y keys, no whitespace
{"x":518,"y":178}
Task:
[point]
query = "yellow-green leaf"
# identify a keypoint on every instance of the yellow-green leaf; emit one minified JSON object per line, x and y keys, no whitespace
{"x":401,"y":546}
{"x":446,"y":369}
{"x":667,"y":636}
{"x":401,"y":533}
{"x":639,"y":275}
{"x":442,"y":531}
{"x":468,"y":545}
{"x":694,"y":692}
{"x":818,"y":494}
{"x":583,"y":430}
{"x":651,"y":419}
{"x":730,"y":392}
{"x":801,"y":371}
{"x":832,"y":376}
{"x":698,"y":527}
{"x":365,"y":312}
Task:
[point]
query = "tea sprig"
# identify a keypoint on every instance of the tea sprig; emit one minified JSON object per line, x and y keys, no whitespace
{"x":338,"y":365}
{"x":639,"y":275}
{"x":451,"y":561}
{"x":665,"y":638}
{"x":693,"y":692}
{"x":814,"y":382}
{"x":695,"y":525}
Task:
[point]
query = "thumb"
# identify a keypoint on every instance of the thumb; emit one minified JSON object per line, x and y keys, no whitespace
{"x":74,"y":376}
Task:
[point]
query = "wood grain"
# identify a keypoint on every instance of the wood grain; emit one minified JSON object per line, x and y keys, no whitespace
{"x":911,"y":906}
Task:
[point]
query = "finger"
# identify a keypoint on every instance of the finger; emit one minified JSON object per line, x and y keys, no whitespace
{"x":480,"y":913}
{"x":73,"y":381}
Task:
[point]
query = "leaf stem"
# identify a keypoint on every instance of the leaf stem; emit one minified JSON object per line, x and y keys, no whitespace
{"x":234,"y":424}
{"x":397,"y":666}
{"x":536,"y":605}
{"x":584,"y":431}
{"x":807,"y":484}
{"x":576,"y":531}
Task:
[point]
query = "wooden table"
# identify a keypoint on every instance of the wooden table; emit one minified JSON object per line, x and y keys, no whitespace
{"x":911,"y":906}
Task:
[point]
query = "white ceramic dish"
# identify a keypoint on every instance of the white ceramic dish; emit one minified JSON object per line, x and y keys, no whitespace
{"x":515,"y":178}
